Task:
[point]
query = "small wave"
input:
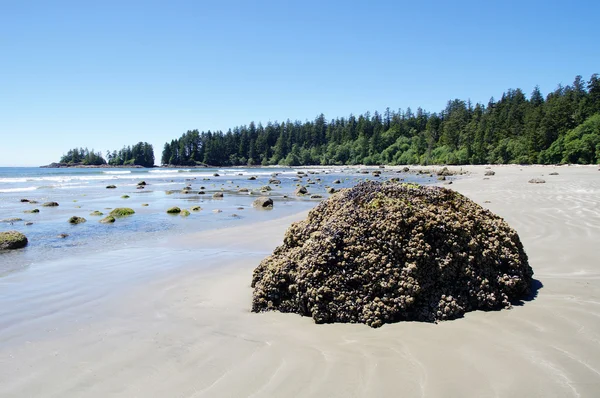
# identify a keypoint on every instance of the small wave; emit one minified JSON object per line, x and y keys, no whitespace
{"x":24,"y":189}
{"x":163,"y":171}
{"x":117,"y":172}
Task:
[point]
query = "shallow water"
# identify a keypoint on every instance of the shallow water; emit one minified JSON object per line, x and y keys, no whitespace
{"x":82,"y":191}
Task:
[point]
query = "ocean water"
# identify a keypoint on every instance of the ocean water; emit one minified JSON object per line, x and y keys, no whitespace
{"x":82,"y":191}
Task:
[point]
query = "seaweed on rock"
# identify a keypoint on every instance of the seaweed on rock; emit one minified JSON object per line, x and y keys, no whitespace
{"x":382,"y":253}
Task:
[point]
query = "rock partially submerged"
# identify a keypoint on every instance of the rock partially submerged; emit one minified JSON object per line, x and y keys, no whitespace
{"x":77,"y":220}
{"x":10,"y":240}
{"x":382,"y":253}
{"x":122,"y":212}
{"x":263,"y":203}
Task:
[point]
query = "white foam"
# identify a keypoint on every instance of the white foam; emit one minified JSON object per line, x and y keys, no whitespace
{"x":117,"y":172}
{"x":24,"y":189}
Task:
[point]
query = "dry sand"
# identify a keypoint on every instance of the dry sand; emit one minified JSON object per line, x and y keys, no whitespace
{"x":188,"y":332}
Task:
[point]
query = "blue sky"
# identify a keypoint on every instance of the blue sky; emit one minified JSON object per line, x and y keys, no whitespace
{"x":111,"y":73}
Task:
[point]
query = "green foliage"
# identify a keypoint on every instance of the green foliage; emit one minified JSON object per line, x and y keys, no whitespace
{"x":83,"y":156}
{"x":513,"y":129}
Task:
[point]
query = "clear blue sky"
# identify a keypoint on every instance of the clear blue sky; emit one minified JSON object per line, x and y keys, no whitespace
{"x":105,"y":74}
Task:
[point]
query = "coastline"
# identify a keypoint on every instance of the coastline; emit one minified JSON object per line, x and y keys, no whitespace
{"x":186,"y":330}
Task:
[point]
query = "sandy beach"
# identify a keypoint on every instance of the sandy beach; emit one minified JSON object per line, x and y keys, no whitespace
{"x":134,"y":329}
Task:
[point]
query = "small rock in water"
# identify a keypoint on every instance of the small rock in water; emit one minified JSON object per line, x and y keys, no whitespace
{"x":263,"y":203}
{"x":77,"y":220}
{"x":10,"y":240}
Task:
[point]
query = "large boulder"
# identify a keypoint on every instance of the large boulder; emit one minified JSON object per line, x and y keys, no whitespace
{"x":10,"y":240}
{"x":381,"y":253}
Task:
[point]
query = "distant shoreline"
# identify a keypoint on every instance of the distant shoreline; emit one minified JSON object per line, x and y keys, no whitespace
{"x":91,"y":166}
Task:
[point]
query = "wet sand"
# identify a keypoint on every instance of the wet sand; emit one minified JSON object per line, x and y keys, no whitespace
{"x":137,"y":329}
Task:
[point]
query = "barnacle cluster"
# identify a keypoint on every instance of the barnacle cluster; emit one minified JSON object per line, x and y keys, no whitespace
{"x":386,"y":252}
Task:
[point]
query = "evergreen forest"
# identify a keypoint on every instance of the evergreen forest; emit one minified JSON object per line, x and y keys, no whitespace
{"x":140,"y":154}
{"x":561,"y":127}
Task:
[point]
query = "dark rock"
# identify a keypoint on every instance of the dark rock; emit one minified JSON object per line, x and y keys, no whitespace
{"x":382,"y":253}
{"x":243,"y":190}
{"x":10,"y":240}
{"x":174,"y":210}
{"x":62,"y":236}
{"x":489,"y":173}
{"x":406,"y":169}
{"x":77,"y":220}
{"x":252,"y":178}
{"x":330,"y":190}
{"x":111,"y":186}
{"x":275,"y":182}
{"x":301,"y":191}
{"x":266,"y":188}
{"x":218,"y":195}
{"x":445,"y":172}
{"x":263,"y":203}
{"x":50,"y":204}
{"x":32,"y":211}
{"x":141,"y":183}
{"x":337,"y":182}
{"x":108,"y":220}
{"x":316,"y":196}
{"x":553,"y":174}
{"x":24,"y":200}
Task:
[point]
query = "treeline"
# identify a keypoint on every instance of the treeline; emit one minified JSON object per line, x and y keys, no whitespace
{"x":83,"y":156}
{"x":140,"y":154}
{"x":560,"y":127}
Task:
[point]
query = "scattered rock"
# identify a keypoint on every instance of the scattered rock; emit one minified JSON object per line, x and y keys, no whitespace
{"x":50,"y":204}
{"x":11,"y":240}
{"x":111,"y":186}
{"x":108,"y":220}
{"x":201,"y":192}
{"x":96,"y":213}
{"x":337,"y":182}
{"x":196,"y":208}
{"x":124,"y":196}
{"x":263,"y":203}
{"x":316,"y":196}
{"x":122,"y":212}
{"x":216,"y":175}
{"x":62,"y":236}
{"x":28,"y":223}
{"x":252,"y":178}
{"x":184,"y":213}
{"x":441,"y":178}
{"x":330,"y":190}
{"x":266,"y":188}
{"x":24,"y":200}
{"x":445,"y":172}
{"x":243,"y":190}
{"x":553,"y":174}
{"x":382,"y":253}
{"x":406,"y":169}
{"x":218,"y":195}
{"x":275,"y":182}
{"x":174,"y":210}
{"x":145,"y":204}
{"x":217,"y":211}
{"x":141,"y":183}
{"x":32,"y":211}
{"x":77,"y":220}
{"x":537,"y":181}
{"x":489,"y":173}
{"x":301,"y":191}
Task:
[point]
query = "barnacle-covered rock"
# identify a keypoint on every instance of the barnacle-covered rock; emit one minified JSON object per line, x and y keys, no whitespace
{"x":383,"y":252}
{"x":10,"y":240}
